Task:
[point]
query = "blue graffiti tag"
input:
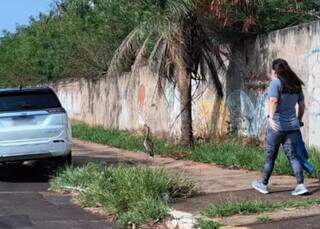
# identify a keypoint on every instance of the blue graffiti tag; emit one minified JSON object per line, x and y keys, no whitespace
{"x":245,"y":115}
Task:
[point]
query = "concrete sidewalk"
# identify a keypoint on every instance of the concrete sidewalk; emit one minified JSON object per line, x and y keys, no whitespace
{"x":211,"y":178}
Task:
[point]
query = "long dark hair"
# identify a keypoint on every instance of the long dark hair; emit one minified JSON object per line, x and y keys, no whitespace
{"x":291,"y":83}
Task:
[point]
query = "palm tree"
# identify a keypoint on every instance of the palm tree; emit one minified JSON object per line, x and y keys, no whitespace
{"x":181,"y":50}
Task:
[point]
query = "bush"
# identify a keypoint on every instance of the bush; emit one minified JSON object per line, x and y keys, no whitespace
{"x":133,"y":194}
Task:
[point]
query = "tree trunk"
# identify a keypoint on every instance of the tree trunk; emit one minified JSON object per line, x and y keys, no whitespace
{"x":183,"y":79}
{"x":184,"y":86}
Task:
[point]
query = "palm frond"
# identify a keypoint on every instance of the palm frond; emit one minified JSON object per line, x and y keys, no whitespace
{"x":125,"y":55}
{"x":213,"y":73}
{"x":156,"y":58}
{"x":141,"y":56}
{"x":179,"y":8}
{"x":164,"y":16}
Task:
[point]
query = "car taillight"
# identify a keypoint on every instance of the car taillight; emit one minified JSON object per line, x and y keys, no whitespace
{"x":56,"y":110}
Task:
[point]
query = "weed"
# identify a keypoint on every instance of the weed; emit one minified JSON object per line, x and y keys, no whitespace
{"x":134,"y":194}
{"x":204,"y":223}
{"x":264,"y":219}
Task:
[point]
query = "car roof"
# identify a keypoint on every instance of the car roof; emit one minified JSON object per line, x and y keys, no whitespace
{"x":27,"y":89}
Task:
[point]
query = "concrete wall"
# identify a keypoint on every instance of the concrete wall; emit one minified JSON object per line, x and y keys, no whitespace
{"x":300,"y":46}
{"x":120,"y":103}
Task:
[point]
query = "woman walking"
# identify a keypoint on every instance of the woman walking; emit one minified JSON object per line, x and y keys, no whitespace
{"x":284,"y":93}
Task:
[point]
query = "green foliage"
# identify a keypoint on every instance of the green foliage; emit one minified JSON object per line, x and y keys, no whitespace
{"x":73,"y":40}
{"x":271,"y":17}
{"x":133,"y":194}
{"x":37,"y":53}
{"x":78,"y":38}
{"x":260,"y":16}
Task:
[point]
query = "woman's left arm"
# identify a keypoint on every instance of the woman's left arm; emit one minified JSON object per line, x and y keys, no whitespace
{"x":274,"y":96}
{"x":272,"y":104}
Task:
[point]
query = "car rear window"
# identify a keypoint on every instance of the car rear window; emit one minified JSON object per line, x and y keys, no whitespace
{"x":28,"y":100}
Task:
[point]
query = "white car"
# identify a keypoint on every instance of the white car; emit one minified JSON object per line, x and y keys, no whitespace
{"x":33,"y":125}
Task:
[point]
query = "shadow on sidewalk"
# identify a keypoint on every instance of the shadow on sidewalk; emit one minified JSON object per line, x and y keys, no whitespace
{"x":109,"y":161}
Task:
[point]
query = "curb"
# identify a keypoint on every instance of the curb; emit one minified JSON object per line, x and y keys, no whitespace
{"x":181,"y":220}
{"x":185,"y":220}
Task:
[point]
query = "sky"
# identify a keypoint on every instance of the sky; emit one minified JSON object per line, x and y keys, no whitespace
{"x":13,"y":12}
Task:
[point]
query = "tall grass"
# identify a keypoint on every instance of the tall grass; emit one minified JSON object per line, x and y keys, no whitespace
{"x":118,"y":138}
{"x":132,"y":194}
{"x":221,"y":153}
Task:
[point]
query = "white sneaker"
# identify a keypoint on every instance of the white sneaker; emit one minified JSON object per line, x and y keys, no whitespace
{"x":300,"y":190}
{"x":260,"y":187}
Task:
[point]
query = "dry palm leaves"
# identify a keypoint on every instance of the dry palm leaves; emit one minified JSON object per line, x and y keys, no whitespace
{"x":227,"y":12}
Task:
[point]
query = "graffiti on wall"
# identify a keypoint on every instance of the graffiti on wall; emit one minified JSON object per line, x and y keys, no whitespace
{"x":311,"y":68}
{"x":312,"y":63}
{"x":247,"y":116}
{"x":141,"y":95}
{"x":171,"y":96}
{"x":141,"y":102}
{"x":204,"y":113}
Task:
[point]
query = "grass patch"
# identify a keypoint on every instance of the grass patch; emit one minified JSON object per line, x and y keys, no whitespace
{"x":264,"y":219}
{"x":133,"y":194}
{"x":242,"y":208}
{"x":249,"y":207}
{"x":230,"y":154}
{"x":204,"y":223}
{"x":118,"y":138}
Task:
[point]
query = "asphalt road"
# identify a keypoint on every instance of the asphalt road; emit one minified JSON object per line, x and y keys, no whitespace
{"x":26,"y":203}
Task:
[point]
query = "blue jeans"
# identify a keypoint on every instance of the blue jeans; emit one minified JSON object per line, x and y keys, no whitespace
{"x":289,"y":141}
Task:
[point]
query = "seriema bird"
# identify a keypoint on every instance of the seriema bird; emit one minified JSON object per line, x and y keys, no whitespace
{"x":148,"y":143}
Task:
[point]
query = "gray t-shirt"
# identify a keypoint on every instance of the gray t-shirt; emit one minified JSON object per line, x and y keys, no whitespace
{"x":286,"y":115}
